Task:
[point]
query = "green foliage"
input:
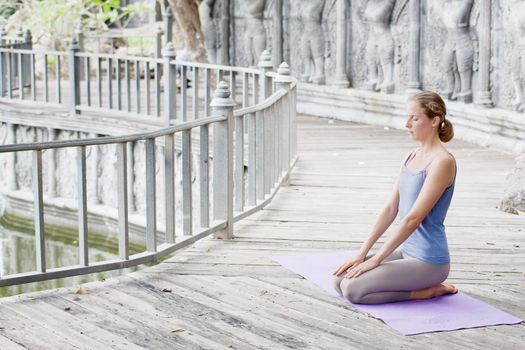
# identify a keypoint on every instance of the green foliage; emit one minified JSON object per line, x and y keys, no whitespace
{"x":7,"y":8}
{"x":54,"y":22}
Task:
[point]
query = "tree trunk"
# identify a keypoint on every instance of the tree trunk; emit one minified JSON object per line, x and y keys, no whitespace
{"x":186,"y":16}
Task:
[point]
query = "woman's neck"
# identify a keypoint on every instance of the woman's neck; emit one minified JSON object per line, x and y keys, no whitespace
{"x":430,"y":146}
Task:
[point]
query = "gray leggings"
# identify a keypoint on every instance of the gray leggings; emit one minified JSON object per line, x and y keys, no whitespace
{"x":392,"y":280}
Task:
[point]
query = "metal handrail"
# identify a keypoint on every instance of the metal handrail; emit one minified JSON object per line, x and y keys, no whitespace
{"x":106,"y":140}
{"x":269,"y":143}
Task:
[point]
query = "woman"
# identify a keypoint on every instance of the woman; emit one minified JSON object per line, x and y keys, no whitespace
{"x":421,"y":198}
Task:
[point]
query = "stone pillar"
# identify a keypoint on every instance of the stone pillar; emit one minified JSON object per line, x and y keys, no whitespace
{"x":341,"y":79}
{"x":224,"y":54}
{"x":413,"y":83}
{"x":277,"y":40}
{"x":483,"y":96}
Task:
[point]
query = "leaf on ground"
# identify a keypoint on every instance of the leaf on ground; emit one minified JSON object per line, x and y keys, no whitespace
{"x":80,"y":290}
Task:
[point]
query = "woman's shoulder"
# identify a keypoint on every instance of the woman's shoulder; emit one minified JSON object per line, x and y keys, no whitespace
{"x":444,"y":160}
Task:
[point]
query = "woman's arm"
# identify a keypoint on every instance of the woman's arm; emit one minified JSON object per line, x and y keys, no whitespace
{"x":439,"y":177}
{"x":384,"y":220}
{"x":386,"y":217}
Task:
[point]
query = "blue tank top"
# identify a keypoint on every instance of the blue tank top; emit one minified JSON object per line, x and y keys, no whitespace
{"x":428,"y":242}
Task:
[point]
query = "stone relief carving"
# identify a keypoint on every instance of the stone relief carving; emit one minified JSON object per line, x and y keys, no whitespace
{"x":381,"y":46}
{"x":255,"y":34}
{"x":24,"y":134}
{"x":313,"y":44}
{"x":66,"y":169}
{"x":459,"y":57}
{"x":4,"y":161}
{"x":517,"y":14}
{"x":209,"y":30}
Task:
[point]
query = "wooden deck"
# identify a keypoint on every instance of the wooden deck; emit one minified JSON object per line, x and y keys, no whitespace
{"x":229,"y":294}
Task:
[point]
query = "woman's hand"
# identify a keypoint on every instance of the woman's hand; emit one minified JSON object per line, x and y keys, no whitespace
{"x":361,"y":268}
{"x":348,"y":264}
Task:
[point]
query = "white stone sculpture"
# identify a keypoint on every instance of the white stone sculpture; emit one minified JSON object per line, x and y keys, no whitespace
{"x":209,"y":30}
{"x":255,"y":35}
{"x":459,"y":57}
{"x":517,"y":13}
{"x":380,"y":47}
{"x":312,"y":41}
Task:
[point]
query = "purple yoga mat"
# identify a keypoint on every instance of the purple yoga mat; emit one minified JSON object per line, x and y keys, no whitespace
{"x":444,"y":313}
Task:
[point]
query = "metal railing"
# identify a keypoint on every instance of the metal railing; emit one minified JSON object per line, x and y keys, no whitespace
{"x":14,"y":69}
{"x":139,"y":86}
{"x":263,"y":130}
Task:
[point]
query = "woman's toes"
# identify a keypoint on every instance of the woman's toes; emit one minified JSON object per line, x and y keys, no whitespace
{"x":450,"y":288}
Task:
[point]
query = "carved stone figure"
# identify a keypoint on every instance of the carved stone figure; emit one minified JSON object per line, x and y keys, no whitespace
{"x":255,"y":35}
{"x":517,"y":14}
{"x":460,"y":50}
{"x":379,"y":14}
{"x":313,"y":41}
{"x":208,"y":29}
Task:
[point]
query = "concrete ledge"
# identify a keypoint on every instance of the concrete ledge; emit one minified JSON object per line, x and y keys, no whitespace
{"x":61,"y":214}
{"x":490,"y":127}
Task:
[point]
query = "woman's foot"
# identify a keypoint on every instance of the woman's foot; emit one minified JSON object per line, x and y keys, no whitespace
{"x":435,"y":291}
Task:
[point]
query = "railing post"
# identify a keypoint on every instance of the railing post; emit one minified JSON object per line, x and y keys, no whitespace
{"x":2,"y":34}
{"x":283,"y":81}
{"x":80,"y":40}
{"x":26,"y":59}
{"x":265,"y":64}
{"x":168,"y":25}
{"x":16,"y":78}
{"x":20,"y":33}
{"x":158,"y":43}
{"x":74,"y":81}
{"x":170,"y":89}
{"x":3,"y":68}
{"x":223,"y":105}
{"x":263,"y":133}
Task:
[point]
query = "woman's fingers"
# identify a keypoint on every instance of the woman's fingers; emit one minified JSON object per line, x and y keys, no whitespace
{"x":341,"y":269}
{"x":354,"y":271}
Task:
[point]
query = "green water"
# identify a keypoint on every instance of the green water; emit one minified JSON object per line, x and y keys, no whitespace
{"x":17,"y":253}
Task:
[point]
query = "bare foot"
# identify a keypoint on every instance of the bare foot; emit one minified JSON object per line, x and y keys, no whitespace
{"x":435,"y":291}
{"x":444,"y":288}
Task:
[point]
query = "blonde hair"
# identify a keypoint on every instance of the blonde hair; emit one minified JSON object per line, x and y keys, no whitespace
{"x":434,"y":106}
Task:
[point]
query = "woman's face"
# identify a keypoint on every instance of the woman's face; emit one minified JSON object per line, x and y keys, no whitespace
{"x":419,"y":126}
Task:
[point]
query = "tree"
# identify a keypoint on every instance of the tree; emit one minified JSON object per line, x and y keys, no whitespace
{"x":186,"y":16}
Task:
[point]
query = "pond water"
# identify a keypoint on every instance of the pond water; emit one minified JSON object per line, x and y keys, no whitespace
{"x":17,"y":254}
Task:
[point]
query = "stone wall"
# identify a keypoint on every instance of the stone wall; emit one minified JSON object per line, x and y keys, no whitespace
{"x":472,"y":52}
{"x":466,"y":21}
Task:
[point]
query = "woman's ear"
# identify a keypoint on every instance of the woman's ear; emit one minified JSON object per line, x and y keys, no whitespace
{"x":435,"y":121}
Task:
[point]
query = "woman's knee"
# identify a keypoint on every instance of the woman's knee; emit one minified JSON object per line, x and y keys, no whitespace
{"x":337,"y":283}
{"x":352,"y":291}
